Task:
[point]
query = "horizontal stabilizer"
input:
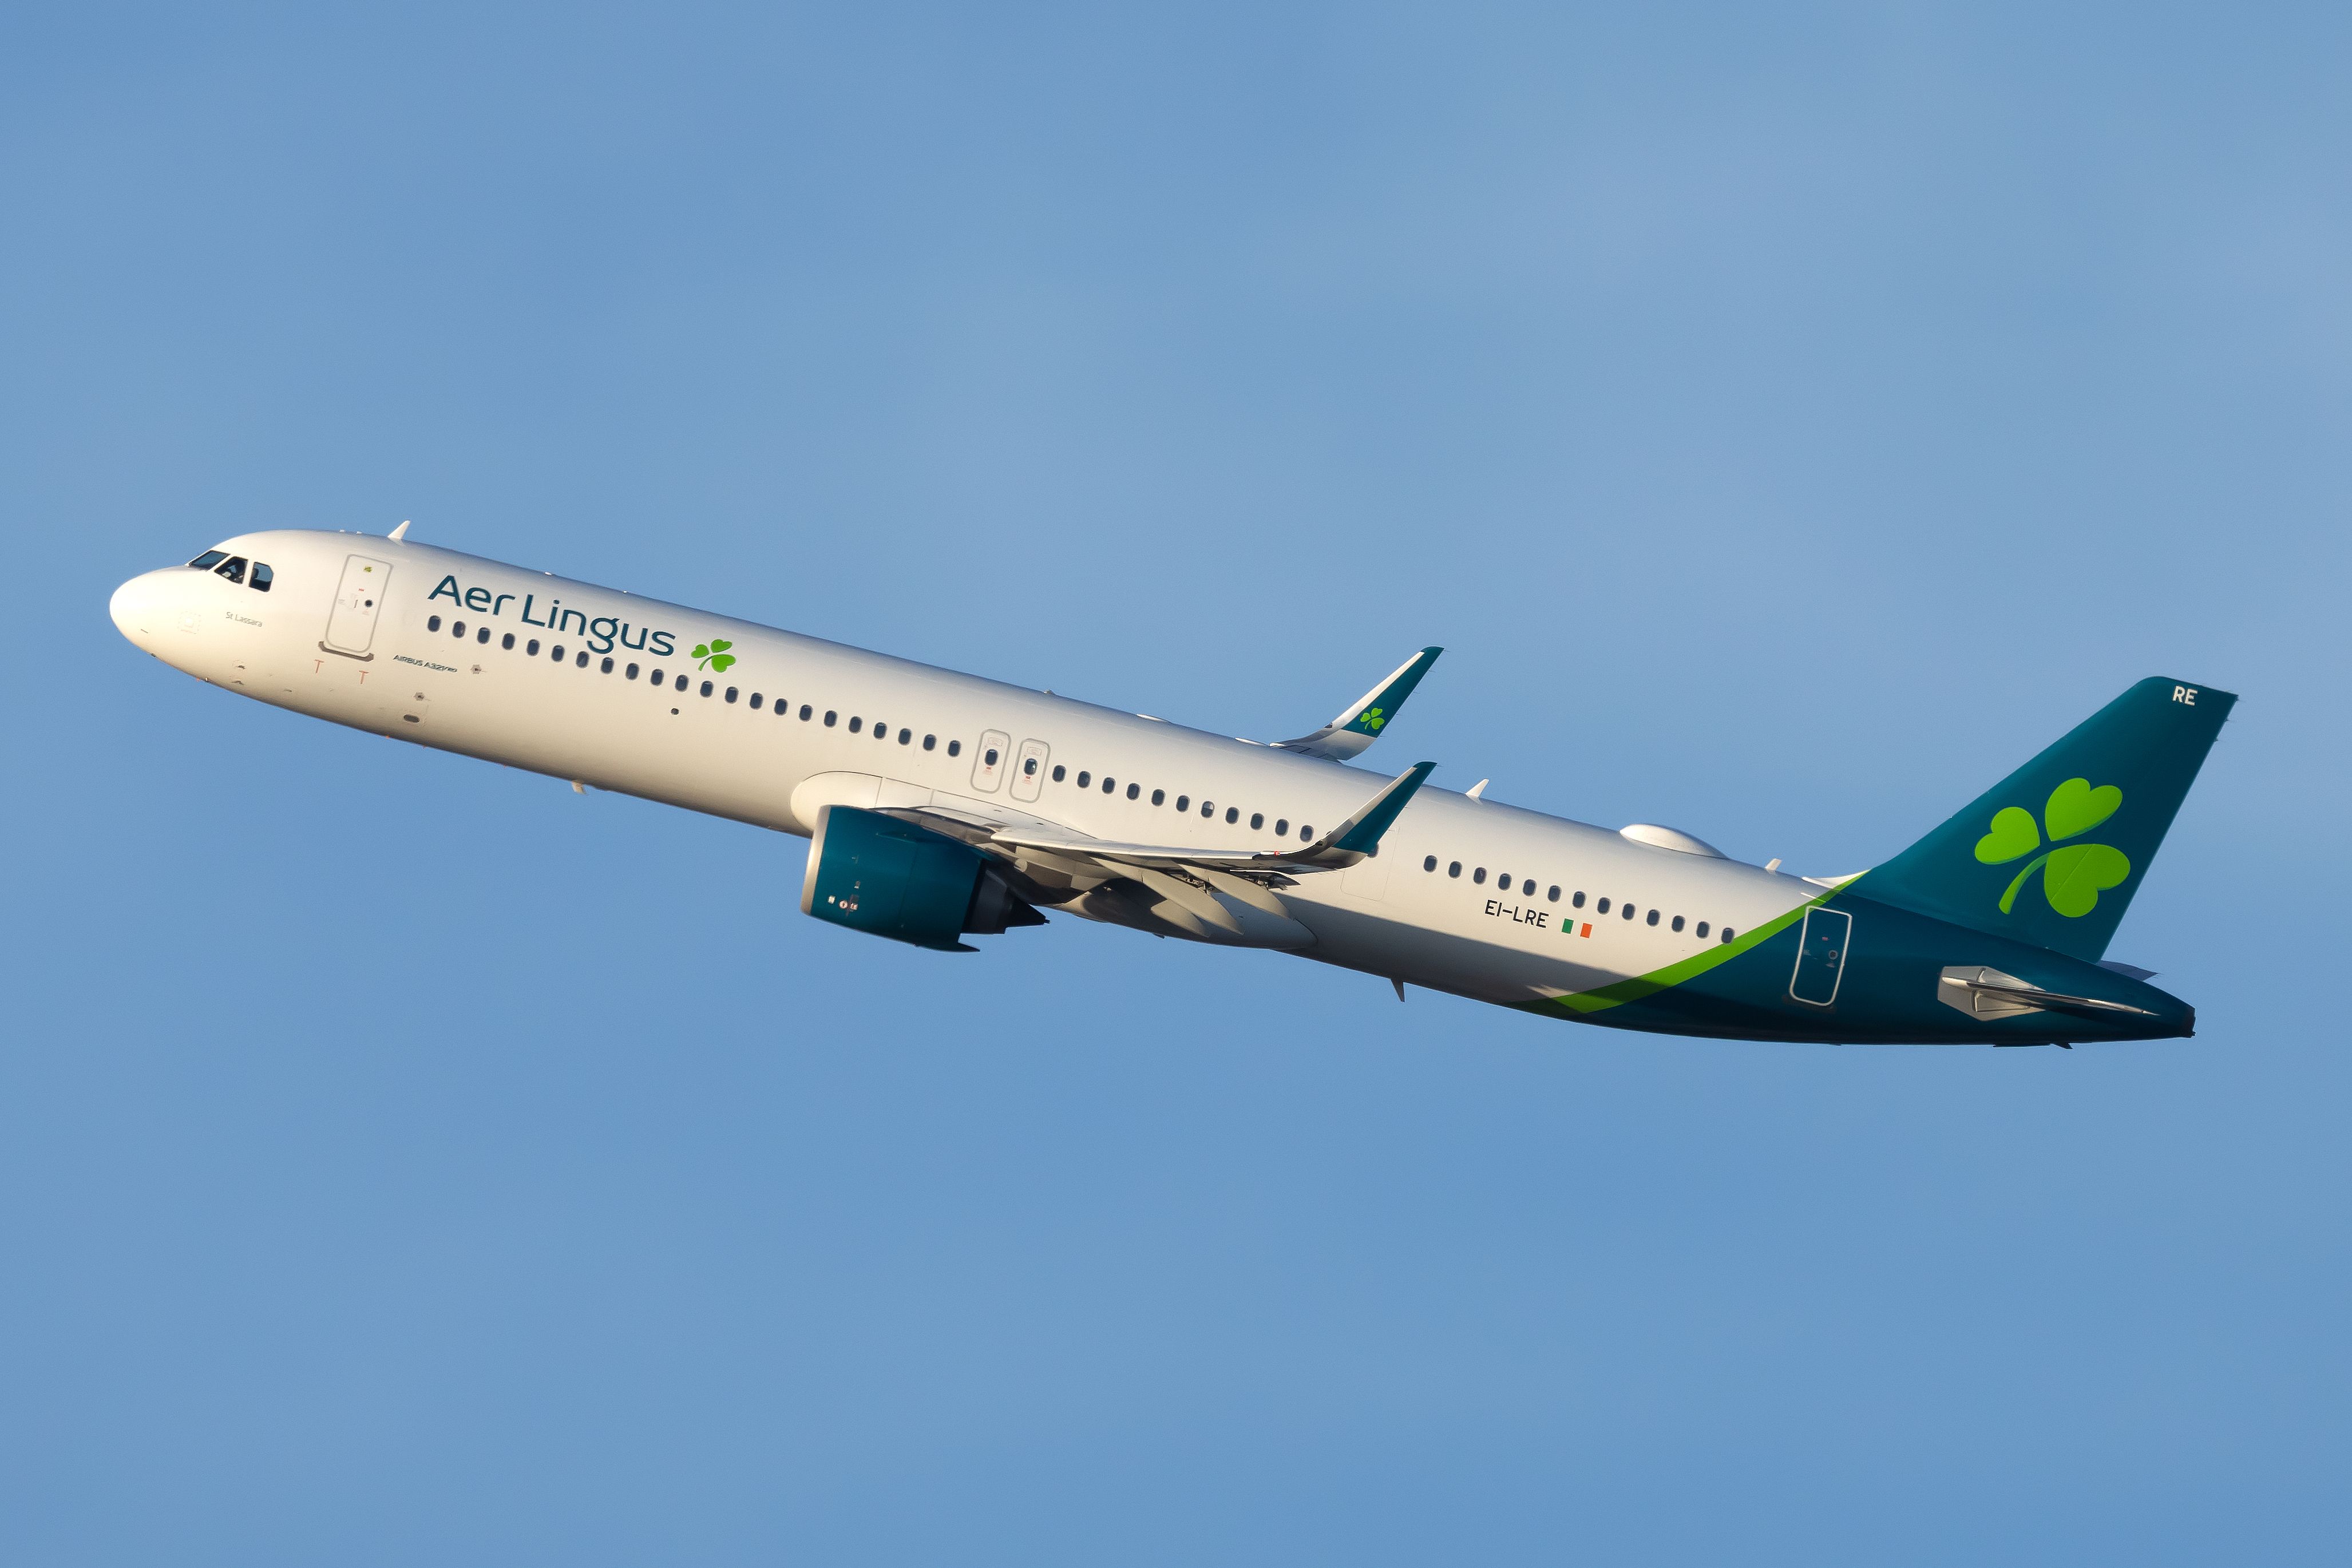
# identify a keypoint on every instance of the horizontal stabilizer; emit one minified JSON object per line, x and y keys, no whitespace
{"x":1990,"y":993}
{"x":1355,"y":729}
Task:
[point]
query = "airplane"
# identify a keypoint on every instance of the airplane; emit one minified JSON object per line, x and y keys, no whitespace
{"x":940,"y":806}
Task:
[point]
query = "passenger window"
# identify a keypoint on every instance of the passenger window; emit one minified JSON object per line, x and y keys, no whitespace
{"x":706,"y":688}
{"x":1281,"y":828}
{"x":1233,"y":814}
{"x":1085,"y":778}
{"x":756,"y":700}
{"x":556,"y":653}
{"x":680,"y":683}
{"x":1702,"y":928}
{"x":1257,"y":822}
{"x":930,"y":742}
{"x":582,"y":659}
{"x":1628,"y":910}
{"x":955,"y":748}
{"x":1653,"y":917}
{"x":1029,"y":767}
{"x":1678,"y":922}
{"x":209,"y":559}
{"x":457,"y":629}
{"x":1134,"y":790}
{"x":1600,"y":906}
{"x":1453,"y":868}
{"x":989,"y":759}
{"x":1505,"y":880}
{"x":1479,"y":875}
{"x":433,"y":624}
{"x":905,"y":736}
{"x":1552,"y":896}
{"x":232,"y":569}
{"x":1305,"y":832}
{"x":829,"y":717}
{"x":881,"y":731}
{"x":1160,"y":797}
{"x":1183,"y":802}
{"x":607,"y":667}
{"x":855,"y":724}
{"x":531,"y":648}
{"x":806,"y":710}
{"x":1058,"y":772}
{"x":731,"y":692}
{"x":260,"y":577}
{"x":1429,"y":863}
{"x":1726,"y":933}
{"x":1109,"y":783}
{"x":1208,"y":809}
{"x":507,"y":642}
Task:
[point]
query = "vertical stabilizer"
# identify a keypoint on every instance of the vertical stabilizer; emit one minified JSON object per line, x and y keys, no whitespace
{"x":2054,"y":853}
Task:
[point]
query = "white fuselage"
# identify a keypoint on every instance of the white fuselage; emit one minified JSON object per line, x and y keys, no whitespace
{"x":795,"y":723}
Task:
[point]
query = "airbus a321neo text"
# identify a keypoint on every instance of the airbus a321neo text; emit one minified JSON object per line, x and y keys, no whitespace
{"x":940,"y":806}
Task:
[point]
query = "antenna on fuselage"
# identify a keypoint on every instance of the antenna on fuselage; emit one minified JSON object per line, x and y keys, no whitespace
{"x":397,"y":534}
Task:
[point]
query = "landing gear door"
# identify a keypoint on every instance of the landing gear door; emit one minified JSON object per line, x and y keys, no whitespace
{"x":987,"y":767}
{"x":359,"y":600}
{"x":1820,"y":956}
{"x":1029,"y":769}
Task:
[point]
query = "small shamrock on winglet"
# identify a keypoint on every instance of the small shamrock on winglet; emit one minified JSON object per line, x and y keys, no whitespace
{"x":713,"y":655}
{"x":1372,"y":719}
{"x":2073,"y":874}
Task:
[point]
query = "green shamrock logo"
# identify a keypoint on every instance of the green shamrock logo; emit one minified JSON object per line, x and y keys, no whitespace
{"x":713,"y":655}
{"x":2073,"y":874}
{"x":1372,"y":719}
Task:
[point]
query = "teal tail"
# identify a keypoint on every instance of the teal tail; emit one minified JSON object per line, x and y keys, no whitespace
{"x":2054,"y":853}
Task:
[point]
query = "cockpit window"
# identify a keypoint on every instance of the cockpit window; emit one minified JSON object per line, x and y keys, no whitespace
{"x":232,"y":569}
{"x":209,"y":559}
{"x":261,"y":579}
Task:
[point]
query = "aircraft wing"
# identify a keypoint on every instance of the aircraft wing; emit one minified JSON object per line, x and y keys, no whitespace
{"x":1342,"y":847}
{"x":1187,"y":877}
{"x":1356,"y":728}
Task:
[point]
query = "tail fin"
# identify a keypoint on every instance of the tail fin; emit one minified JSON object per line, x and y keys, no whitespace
{"x":2054,"y":853}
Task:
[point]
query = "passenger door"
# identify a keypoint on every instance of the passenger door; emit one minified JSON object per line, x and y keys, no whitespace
{"x":1820,"y":956}
{"x":359,"y":600}
{"x":987,"y":767}
{"x":1029,"y":769}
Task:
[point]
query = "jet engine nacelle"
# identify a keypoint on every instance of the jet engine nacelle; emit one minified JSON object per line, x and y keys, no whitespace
{"x":889,"y":877}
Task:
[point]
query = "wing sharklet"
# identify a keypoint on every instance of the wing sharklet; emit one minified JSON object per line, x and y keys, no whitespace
{"x":1354,"y":730}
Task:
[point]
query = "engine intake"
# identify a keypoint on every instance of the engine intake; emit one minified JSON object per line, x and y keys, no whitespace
{"x":888,"y":878}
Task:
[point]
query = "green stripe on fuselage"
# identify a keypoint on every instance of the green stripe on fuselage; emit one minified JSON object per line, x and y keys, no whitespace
{"x":1618,"y":993}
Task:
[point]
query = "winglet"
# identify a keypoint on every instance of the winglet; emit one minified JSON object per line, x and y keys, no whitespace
{"x":1361,"y":833}
{"x":1355,"y":729}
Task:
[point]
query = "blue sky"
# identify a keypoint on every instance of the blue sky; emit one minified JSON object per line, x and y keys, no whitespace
{"x":1788,"y":422}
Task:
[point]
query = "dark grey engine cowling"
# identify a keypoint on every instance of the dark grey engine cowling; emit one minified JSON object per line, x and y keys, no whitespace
{"x":885,"y":876}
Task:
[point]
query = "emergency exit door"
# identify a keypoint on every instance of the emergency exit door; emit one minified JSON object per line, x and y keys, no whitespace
{"x":1820,"y":956}
{"x":988,"y":766}
{"x":359,"y":600}
{"x":1029,"y":769}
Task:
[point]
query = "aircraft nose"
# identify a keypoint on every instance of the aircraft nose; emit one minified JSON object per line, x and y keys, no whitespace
{"x":143,"y":608}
